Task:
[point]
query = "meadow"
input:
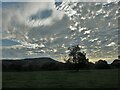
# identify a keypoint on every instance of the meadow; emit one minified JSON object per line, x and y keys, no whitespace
{"x":62,"y":79}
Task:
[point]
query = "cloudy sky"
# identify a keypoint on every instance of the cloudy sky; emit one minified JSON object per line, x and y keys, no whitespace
{"x":35,"y":29}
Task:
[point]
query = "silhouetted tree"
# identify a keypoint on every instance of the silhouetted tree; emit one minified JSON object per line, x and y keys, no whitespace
{"x":77,"y":57}
{"x":115,"y":63}
{"x":119,"y":57}
{"x":101,"y":64}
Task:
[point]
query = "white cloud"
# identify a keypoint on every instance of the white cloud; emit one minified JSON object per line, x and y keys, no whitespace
{"x":59,"y":0}
{"x":16,"y":18}
{"x":27,"y":0}
{"x":111,"y":44}
{"x":56,"y":15}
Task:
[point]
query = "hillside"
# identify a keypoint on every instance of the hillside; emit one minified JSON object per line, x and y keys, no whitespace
{"x":43,"y":63}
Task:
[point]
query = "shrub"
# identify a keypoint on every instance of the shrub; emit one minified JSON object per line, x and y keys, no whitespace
{"x":115,"y":63}
{"x":101,"y":64}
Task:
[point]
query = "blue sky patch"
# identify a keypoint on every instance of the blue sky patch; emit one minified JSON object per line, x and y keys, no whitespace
{"x":7,"y":42}
{"x":41,"y":15}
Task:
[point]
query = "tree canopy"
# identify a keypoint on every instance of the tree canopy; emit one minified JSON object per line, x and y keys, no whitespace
{"x":77,"y":57}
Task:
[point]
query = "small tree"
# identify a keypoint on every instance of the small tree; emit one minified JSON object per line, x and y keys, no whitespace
{"x":101,"y":64}
{"x":119,"y":57}
{"x":116,"y":63}
{"x":77,"y":57}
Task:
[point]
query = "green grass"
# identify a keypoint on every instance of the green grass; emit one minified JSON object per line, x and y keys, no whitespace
{"x":65,"y":79}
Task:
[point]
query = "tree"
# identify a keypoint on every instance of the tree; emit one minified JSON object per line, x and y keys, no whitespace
{"x":77,"y":57}
{"x":101,"y":64}
{"x":116,"y":63}
{"x":119,"y":57}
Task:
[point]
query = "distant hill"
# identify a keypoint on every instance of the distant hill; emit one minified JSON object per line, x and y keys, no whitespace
{"x":43,"y":63}
{"x":41,"y":60}
{"x":46,"y":63}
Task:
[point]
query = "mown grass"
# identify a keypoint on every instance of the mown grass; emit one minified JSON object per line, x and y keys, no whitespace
{"x":62,"y":79}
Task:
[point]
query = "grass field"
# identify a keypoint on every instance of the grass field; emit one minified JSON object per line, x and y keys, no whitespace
{"x":65,"y":79}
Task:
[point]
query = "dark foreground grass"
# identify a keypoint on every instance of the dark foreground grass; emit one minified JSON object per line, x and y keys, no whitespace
{"x":63,"y":79}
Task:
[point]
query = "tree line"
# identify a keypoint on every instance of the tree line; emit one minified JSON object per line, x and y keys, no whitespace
{"x":76,"y":61}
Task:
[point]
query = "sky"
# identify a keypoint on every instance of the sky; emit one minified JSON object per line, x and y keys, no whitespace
{"x":37,"y":29}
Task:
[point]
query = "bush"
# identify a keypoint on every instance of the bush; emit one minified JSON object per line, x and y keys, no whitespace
{"x":101,"y":64}
{"x":115,"y":63}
